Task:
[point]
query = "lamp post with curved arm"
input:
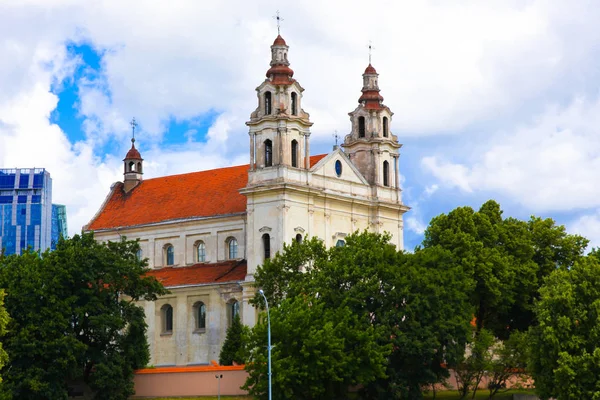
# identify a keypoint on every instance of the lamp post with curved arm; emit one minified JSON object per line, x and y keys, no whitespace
{"x":268,"y":338}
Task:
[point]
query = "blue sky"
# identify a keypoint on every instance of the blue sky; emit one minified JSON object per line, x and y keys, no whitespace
{"x":492,"y":100}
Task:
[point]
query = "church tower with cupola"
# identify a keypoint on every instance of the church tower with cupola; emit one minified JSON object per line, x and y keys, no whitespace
{"x":132,"y":168}
{"x":279,"y":128}
{"x":371,"y":145}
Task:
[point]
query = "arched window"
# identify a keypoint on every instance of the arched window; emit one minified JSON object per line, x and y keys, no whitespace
{"x":268,"y":103}
{"x":131,"y":166}
{"x":167,"y":319}
{"x":294,"y":103}
{"x":169,"y":254}
{"x":139,"y":254}
{"x":232,"y":245}
{"x":200,"y":315}
{"x":268,"y":153}
{"x":233,"y":309}
{"x":361,"y":126}
{"x":385,"y":127}
{"x":200,"y":252}
{"x":340,"y":243}
{"x":139,"y":167}
{"x":386,"y":173}
{"x":299,"y":238}
{"x":266,"y":239}
{"x":294,"y":153}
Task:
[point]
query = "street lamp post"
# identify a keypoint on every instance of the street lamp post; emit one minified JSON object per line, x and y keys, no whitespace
{"x":268,"y":338}
{"x":219,"y":376}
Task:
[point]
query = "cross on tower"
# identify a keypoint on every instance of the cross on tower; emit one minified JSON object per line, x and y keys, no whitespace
{"x":279,"y":19}
{"x":133,"y":126}
{"x":370,"y":49}
{"x":336,"y":136}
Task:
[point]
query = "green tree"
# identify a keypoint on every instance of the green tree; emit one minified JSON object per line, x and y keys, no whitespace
{"x":232,"y":348}
{"x":420,"y":313}
{"x":472,"y":369}
{"x":565,"y":345}
{"x":318,"y":352}
{"x":509,"y":359}
{"x":507,"y":258}
{"x":4,"y":318}
{"x":430,"y":322}
{"x":74,"y":317}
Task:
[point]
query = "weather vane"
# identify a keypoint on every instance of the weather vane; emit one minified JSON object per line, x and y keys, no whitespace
{"x":336,"y":136}
{"x":133,"y":126}
{"x":279,"y":19}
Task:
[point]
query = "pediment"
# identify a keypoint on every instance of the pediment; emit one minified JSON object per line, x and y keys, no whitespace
{"x":328,"y":166}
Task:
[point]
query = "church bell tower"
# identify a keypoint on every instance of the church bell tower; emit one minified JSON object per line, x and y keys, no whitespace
{"x":279,"y":128}
{"x":371,"y":146}
{"x":132,"y":164}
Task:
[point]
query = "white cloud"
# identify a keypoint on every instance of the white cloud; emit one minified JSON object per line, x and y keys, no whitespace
{"x":589,"y":227}
{"x":415,"y":225}
{"x":551,"y":164}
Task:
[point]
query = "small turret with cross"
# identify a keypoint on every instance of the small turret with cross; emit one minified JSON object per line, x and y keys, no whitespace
{"x":132,"y":163}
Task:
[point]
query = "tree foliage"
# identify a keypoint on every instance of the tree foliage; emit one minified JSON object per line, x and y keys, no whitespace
{"x":232,"y":348}
{"x":565,"y":345}
{"x":395,"y":314}
{"x":4,"y":318}
{"x":74,"y":317}
{"x":507,"y":258}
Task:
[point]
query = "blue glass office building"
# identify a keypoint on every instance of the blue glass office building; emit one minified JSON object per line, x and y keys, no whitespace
{"x":26,"y":211}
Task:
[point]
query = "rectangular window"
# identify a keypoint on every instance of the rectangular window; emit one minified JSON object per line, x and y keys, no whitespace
{"x":23,"y":181}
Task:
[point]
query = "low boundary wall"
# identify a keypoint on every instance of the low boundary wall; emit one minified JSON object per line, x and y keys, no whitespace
{"x":189,"y":381}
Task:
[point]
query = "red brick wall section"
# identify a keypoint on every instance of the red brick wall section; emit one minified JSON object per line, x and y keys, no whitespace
{"x":189,"y":381}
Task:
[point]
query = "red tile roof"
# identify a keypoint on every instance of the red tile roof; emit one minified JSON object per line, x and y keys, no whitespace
{"x":133,"y":153}
{"x":370,"y":70}
{"x":279,"y":41}
{"x":226,"y":271}
{"x":197,"y":194}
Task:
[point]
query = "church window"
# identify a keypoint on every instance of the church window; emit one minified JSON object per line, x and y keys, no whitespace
{"x":385,"y":127}
{"x":169,"y":254}
{"x":338,"y":168}
{"x":294,"y":103}
{"x":268,"y":153}
{"x":139,"y":167}
{"x":200,"y":316}
{"x":268,"y":104}
{"x":200,"y":252}
{"x":340,"y":243}
{"x":361,"y":127}
{"x":139,"y":254}
{"x":299,"y":238}
{"x":266,"y":239}
{"x":131,"y":166}
{"x":386,"y":173}
{"x":167,"y":319}
{"x":233,"y":309}
{"x":232,"y":245}
{"x":294,"y":153}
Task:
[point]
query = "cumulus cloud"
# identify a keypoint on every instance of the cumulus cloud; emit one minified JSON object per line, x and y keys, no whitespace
{"x":588,"y":226}
{"x":549,"y":165}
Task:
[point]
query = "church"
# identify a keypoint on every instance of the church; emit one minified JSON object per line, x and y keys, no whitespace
{"x":205,"y":233}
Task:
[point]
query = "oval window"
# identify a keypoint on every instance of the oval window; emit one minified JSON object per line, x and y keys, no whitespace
{"x":338,"y":167}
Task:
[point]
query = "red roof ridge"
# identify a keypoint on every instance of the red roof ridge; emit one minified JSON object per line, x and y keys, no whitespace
{"x":197,"y":172}
{"x":198,"y":194}
{"x":201,"y":273}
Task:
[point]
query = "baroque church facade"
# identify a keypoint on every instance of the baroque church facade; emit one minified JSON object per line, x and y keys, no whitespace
{"x":205,"y":233}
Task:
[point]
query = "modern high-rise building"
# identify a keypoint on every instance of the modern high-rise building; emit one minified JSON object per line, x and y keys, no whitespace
{"x":26,"y":211}
{"x":59,"y":223}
